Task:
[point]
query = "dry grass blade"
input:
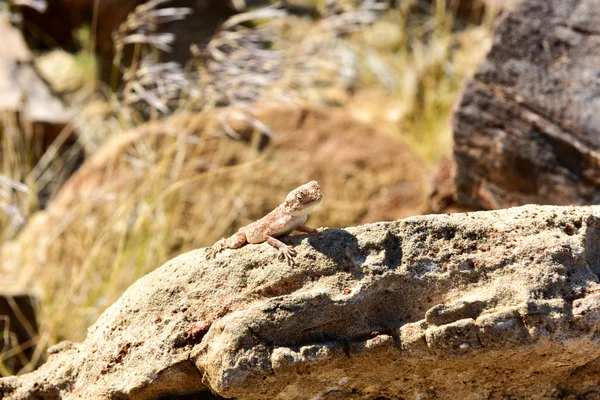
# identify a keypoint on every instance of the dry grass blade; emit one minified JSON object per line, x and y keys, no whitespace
{"x":13,"y":184}
{"x":159,"y":86}
{"x":240,"y":65}
{"x":141,"y":28}
{"x":262,"y":13}
{"x":161,"y":41}
{"x":11,"y":205}
{"x":39,"y":5}
{"x":147,"y":17}
{"x":355,"y":19}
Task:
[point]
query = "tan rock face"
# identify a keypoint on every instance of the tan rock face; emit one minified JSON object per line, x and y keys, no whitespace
{"x":527,"y":129}
{"x":496,"y":304}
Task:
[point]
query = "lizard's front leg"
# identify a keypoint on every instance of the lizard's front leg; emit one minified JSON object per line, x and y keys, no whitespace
{"x":308,"y":229}
{"x":285,"y":252}
{"x":234,"y":242}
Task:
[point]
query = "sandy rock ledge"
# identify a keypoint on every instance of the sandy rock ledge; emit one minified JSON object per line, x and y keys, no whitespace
{"x":499,"y":304}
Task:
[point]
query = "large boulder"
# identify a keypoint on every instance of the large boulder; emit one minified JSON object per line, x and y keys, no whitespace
{"x":498,"y":304}
{"x":528,"y":127}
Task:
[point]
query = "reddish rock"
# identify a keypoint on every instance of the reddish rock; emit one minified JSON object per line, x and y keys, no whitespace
{"x":528,"y":128}
{"x":441,"y":198}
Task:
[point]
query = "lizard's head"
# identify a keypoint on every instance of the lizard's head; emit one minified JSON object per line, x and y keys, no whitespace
{"x":303,"y":198}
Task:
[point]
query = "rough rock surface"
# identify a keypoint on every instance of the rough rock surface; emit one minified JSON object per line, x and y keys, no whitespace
{"x":528,"y":127}
{"x":498,"y":304}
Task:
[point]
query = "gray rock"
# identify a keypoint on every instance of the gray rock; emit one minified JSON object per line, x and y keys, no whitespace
{"x":528,"y":127}
{"x":499,"y":304}
{"x":21,"y":89}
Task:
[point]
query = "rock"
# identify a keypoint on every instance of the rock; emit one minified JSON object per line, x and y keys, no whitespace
{"x":498,"y":304}
{"x":442,"y":196}
{"x":24,"y":91}
{"x":21,"y":89}
{"x":19,"y":334}
{"x":374,"y":176}
{"x":15,"y":48}
{"x":527,"y":129}
{"x":63,"y":71}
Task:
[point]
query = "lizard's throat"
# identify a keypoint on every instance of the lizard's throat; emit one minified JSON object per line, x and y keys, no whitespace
{"x":302,"y":209}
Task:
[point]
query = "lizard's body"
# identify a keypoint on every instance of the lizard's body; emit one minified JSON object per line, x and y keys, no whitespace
{"x":287,"y":217}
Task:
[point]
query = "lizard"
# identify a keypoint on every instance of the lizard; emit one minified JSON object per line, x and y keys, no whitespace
{"x":287,"y":217}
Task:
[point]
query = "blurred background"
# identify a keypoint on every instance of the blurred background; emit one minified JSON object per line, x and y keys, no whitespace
{"x":133,"y":131}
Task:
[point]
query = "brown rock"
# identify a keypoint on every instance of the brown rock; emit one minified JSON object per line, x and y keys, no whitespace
{"x":527,"y":129}
{"x":372,"y":176}
{"x":442,"y":197}
{"x":499,"y":304}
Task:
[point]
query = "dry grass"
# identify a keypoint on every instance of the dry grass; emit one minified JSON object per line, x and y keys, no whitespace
{"x":394,"y":69}
{"x":418,"y":65}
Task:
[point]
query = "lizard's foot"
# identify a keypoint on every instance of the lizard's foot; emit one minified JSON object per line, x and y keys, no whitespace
{"x":214,"y":250}
{"x":287,"y":253}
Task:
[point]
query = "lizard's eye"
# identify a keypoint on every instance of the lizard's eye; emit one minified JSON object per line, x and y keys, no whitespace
{"x":299,"y":196}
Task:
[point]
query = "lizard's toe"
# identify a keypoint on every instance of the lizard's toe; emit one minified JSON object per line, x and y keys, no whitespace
{"x":290,"y":261}
{"x":213,"y":251}
{"x":287,"y":253}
